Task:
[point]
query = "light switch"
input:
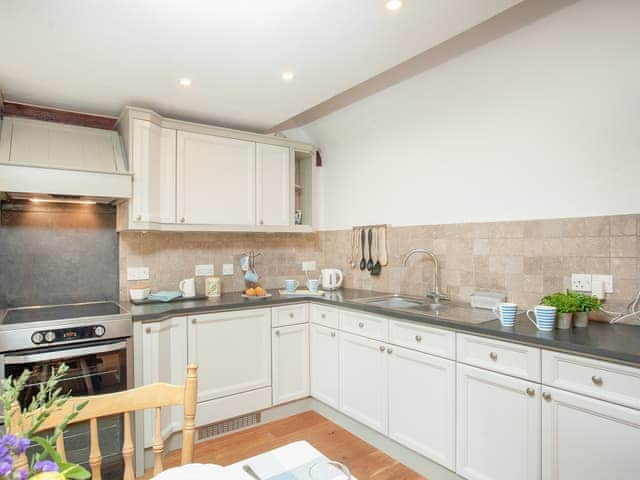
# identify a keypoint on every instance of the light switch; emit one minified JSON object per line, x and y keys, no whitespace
{"x":139,"y":273}
{"x":227,"y":269}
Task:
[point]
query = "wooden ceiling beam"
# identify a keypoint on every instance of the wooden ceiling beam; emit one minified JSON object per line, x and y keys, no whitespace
{"x":60,"y":116}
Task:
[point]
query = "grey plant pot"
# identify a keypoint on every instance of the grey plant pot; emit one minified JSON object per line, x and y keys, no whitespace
{"x":581,"y":319}
{"x":565,"y":320}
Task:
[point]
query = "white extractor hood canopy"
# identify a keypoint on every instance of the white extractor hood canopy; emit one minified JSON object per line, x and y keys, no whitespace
{"x":40,"y":159}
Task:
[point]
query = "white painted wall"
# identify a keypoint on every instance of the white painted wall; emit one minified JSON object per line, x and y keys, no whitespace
{"x":542,"y":123}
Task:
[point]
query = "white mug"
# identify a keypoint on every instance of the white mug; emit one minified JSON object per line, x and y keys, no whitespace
{"x":188,"y":287}
{"x":313,"y":284}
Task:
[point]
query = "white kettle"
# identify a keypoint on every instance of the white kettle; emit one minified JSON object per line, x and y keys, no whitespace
{"x":331,"y":278}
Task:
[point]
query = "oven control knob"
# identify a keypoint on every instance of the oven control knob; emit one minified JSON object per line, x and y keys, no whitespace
{"x":98,"y":330}
{"x":37,"y":338}
{"x":49,"y":336}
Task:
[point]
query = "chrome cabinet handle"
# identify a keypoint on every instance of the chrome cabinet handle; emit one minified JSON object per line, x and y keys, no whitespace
{"x":546,"y":396}
{"x":182,"y":220}
{"x":261,"y":222}
{"x":147,"y":330}
{"x":361,"y":325}
{"x":194,"y":321}
{"x":322,"y":315}
{"x":139,"y":217}
{"x":333,"y":334}
{"x":596,"y":380}
{"x":389,"y":350}
{"x":418,"y":338}
{"x":278,"y":332}
{"x":493,"y":356}
{"x":382,"y":348}
{"x":291,"y":315}
{"x":531,"y":392}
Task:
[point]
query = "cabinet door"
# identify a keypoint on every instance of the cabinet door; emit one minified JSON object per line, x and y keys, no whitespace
{"x":498,"y":426}
{"x":290,"y":361}
{"x":216,"y":180}
{"x":153,"y":162}
{"x":164,"y":359}
{"x":363,"y":380}
{"x":273,"y":185}
{"x":587,"y":439}
{"x":232,"y":351}
{"x":422,"y":403}
{"x":325,"y":366}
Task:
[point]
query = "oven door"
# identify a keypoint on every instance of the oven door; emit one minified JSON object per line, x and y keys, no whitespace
{"x":94,"y":368}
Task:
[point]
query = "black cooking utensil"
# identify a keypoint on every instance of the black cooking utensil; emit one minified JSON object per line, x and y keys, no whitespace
{"x":363,"y":262}
{"x":370,"y":262}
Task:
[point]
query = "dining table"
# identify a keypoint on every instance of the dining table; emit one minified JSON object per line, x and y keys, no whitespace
{"x":289,"y":462}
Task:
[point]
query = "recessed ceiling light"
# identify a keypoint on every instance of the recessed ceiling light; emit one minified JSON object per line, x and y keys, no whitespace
{"x":394,"y":4}
{"x":185,"y":82}
{"x":287,"y":76}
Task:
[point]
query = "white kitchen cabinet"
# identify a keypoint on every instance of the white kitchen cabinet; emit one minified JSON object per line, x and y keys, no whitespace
{"x":363,"y":380}
{"x":273,"y":185}
{"x":588,"y":439}
{"x":498,"y":426}
{"x":422,"y":403}
{"x":216,"y":180}
{"x":325,"y":364}
{"x":290,"y":361}
{"x":232,"y":351}
{"x":153,"y":163}
{"x":164,"y":359}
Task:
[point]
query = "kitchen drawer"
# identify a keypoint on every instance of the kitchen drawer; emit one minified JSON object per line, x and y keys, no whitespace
{"x":596,"y":378}
{"x":326,"y":316}
{"x":370,"y":326}
{"x":503,"y":357}
{"x":435,"y":341}
{"x":289,"y":315}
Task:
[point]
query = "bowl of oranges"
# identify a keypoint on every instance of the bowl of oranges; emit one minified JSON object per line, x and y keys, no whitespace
{"x":255,"y":293}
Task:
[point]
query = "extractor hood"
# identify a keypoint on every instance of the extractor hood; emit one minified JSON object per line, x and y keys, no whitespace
{"x":58,"y":162}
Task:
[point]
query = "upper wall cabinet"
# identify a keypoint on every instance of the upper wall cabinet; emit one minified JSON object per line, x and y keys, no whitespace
{"x":190,"y":177}
{"x":216,"y":180}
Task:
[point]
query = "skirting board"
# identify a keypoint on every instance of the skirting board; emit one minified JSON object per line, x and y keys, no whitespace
{"x":411,"y":459}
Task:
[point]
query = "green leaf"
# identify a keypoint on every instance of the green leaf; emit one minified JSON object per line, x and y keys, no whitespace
{"x":74,"y":472}
{"x":47,"y":447}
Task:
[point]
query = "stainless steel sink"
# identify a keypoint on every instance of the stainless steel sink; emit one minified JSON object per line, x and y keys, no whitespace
{"x":393,"y":301}
{"x":403,"y":302}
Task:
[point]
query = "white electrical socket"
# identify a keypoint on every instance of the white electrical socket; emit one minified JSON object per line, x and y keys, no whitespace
{"x":309,"y":266}
{"x":227,"y":269}
{"x":139,"y":273}
{"x":581,"y":282}
{"x":607,"y":280}
{"x":204,"y":270}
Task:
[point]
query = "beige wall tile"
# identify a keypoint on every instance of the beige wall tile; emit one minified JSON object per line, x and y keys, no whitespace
{"x":532,"y":265}
{"x":586,"y":247}
{"x":625,"y":268}
{"x":626,"y":246}
{"x":624,"y":225}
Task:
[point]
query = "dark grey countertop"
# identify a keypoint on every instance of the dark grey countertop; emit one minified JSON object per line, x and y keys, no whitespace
{"x":613,"y":342}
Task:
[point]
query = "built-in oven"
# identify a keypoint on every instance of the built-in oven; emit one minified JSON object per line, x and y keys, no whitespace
{"x":98,"y":351}
{"x":94,"y":368}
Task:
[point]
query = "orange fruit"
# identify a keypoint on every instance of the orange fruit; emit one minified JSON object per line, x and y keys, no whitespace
{"x":261,"y":292}
{"x":250,"y":292}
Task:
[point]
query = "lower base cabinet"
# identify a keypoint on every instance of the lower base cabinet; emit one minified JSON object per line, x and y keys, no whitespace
{"x":325,"y":364}
{"x":363,"y":380}
{"x":588,"y":439}
{"x":422,"y":403}
{"x":290,"y":360}
{"x":498,"y":426}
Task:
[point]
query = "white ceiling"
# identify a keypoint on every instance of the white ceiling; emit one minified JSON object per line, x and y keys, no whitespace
{"x":99,"y":55}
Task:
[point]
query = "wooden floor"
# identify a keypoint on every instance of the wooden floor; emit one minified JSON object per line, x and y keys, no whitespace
{"x":364,"y":461}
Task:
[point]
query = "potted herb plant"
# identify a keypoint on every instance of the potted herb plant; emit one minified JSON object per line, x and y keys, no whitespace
{"x":45,"y":462}
{"x":566,"y":305}
{"x":585,"y":305}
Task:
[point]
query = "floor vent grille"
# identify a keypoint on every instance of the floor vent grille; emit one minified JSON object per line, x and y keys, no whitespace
{"x":220,"y":428}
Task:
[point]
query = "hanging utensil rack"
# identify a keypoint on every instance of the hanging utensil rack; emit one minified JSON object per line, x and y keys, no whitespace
{"x":380,"y":230}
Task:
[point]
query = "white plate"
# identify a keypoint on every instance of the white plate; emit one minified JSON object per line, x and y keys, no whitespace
{"x":255,"y":297}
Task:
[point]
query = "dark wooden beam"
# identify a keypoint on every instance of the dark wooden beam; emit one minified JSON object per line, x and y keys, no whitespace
{"x":59,"y":116}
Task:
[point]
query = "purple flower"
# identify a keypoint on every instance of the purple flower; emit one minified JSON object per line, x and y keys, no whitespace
{"x":5,"y":466}
{"x":46,"y":466}
{"x":23,"y":474}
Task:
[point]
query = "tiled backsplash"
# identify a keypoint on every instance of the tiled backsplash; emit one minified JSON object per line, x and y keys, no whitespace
{"x":172,"y":257}
{"x":525,"y":259}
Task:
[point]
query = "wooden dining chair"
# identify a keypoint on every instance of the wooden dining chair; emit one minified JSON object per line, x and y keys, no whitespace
{"x":154,"y":396}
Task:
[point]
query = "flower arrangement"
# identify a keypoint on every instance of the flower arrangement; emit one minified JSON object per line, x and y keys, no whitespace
{"x":46,"y":463}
